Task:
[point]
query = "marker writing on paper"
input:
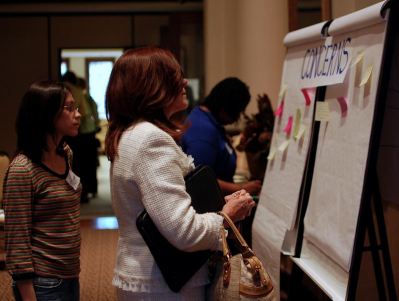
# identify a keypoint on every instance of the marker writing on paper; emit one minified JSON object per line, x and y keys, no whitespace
{"x":326,"y":60}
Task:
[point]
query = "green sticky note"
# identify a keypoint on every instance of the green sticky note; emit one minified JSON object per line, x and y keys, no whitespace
{"x":301,"y":131}
{"x":297,"y":124}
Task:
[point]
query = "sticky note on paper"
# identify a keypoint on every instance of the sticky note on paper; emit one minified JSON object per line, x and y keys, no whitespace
{"x":301,"y":132}
{"x":322,"y":111}
{"x":343,"y":103}
{"x":288,"y":126}
{"x":359,"y":57}
{"x":309,"y":94}
{"x":298,"y":119}
{"x":279,"y":110}
{"x":366,"y":76}
{"x":272,"y":153}
{"x":282,"y":92}
{"x":283,"y":146}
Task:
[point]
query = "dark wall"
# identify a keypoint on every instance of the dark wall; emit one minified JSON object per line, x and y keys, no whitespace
{"x":30,"y":48}
{"x":24,"y":58}
{"x":32,"y":36}
{"x":89,"y":32}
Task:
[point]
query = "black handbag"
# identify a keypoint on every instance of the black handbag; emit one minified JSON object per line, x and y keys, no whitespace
{"x":176,"y":266}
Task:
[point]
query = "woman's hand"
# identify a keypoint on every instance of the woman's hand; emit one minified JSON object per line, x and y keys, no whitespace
{"x":238,"y":205}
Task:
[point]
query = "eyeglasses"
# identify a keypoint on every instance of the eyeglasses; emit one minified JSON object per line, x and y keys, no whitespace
{"x":72,"y":107}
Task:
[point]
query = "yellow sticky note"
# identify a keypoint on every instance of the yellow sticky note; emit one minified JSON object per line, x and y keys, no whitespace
{"x":282,"y":92}
{"x":302,"y":130}
{"x":322,"y":111}
{"x":297,"y":122}
{"x":272,"y":153}
{"x":283,"y":146}
{"x":359,"y":57}
{"x":367,"y":76}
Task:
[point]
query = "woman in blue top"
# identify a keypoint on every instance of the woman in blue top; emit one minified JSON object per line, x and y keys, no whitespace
{"x":206,"y":139}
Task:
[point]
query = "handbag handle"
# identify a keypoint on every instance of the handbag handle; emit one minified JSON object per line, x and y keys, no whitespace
{"x":249,"y":257}
{"x":243,"y":246}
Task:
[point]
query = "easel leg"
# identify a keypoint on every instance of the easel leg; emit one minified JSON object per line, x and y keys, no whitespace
{"x":374,"y":249}
{"x":296,"y":280}
{"x":382,"y":232}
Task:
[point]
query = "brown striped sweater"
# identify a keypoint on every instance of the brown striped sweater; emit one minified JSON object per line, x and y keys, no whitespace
{"x":42,"y":221}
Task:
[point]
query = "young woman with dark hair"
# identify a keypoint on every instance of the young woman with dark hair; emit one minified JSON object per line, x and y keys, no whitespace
{"x":206,"y":139}
{"x":145,"y":90}
{"x":227,"y":100}
{"x":42,"y":198}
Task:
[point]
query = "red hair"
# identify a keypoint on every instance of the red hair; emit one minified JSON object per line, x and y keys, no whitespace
{"x":143,"y":82}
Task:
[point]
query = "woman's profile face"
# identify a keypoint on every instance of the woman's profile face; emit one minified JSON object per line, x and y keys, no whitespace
{"x":179,"y":104}
{"x":68,"y":121}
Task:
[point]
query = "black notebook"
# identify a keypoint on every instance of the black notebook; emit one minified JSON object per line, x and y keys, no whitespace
{"x":177,"y":267}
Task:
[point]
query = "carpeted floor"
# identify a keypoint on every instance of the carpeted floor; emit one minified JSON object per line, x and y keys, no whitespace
{"x":98,"y":259}
{"x":5,"y":287}
{"x":97,"y":262}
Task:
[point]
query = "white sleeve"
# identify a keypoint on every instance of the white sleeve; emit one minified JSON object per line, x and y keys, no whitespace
{"x":159,"y":175}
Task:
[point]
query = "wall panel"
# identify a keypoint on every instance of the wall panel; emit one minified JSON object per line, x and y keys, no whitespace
{"x":24,"y":53}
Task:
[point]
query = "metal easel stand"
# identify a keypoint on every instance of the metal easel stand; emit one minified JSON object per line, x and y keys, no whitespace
{"x":374,"y":224}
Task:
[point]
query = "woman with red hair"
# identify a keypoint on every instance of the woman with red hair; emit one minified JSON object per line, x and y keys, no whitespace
{"x":146,"y":89}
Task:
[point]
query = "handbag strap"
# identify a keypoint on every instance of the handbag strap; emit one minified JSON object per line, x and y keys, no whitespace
{"x":243,"y":246}
{"x":249,"y":257}
{"x":226,"y":258}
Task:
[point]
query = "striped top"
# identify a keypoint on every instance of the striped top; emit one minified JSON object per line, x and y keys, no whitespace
{"x":42,"y":221}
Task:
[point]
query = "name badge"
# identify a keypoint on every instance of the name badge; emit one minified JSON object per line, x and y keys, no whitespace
{"x":73,"y":180}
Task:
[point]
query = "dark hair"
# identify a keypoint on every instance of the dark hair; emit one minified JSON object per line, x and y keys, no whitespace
{"x":81,"y":83}
{"x":4,"y":154}
{"x":231,"y":95}
{"x":69,"y":77}
{"x":40,"y":106}
{"x":143,"y":82}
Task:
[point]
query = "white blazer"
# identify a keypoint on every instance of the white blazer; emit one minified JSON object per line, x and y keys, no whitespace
{"x":148,"y":172}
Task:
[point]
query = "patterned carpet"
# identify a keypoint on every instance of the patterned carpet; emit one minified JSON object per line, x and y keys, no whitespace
{"x":98,"y":259}
{"x":97,"y":262}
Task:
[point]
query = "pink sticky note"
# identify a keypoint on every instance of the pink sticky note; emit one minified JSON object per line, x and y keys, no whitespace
{"x":288,"y":126}
{"x":309,"y":94}
{"x":279,"y":109}
{"x":343,"y":103}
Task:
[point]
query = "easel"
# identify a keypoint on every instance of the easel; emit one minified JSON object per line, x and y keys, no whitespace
{"x":371,"y":216}
{"x":371,"y":198}
{"x":378,"y":246}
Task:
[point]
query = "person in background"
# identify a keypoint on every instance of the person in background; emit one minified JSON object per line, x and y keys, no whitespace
{"x":42,"y":198}
{"x":89,"y":127}
{"x":206,"y":140}
{"x":146,"y":88}
{"x":84,"y":145}
{"x":256,"y":137}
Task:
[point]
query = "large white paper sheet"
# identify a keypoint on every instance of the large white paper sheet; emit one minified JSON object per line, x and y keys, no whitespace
{"x":343,"y":146}
{"x":280,"y":192}
{"x":267,"y":237}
